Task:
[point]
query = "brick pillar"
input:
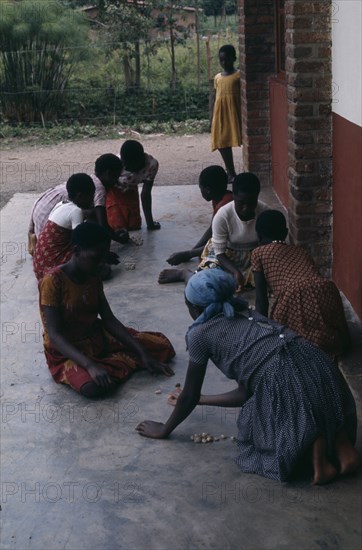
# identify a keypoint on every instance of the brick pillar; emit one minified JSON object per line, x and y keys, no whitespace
{"x":257,"y":64}
{"x":309,"y":90}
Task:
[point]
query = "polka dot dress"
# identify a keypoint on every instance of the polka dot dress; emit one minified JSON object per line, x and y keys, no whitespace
{"x":295,"y":393}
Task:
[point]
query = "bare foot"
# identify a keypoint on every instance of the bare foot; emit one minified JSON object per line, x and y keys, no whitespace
{"x":172,"y":276}
{"x":348,"y":457}
{"x":324,"y":471}
{"x":351,"y":463}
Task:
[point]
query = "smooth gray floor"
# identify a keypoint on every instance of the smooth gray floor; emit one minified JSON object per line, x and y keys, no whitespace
{"x":76,"y":475}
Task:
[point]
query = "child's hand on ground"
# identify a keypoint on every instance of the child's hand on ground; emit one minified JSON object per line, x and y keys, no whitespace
{"x":99,"y":375}
{"x":156,"y":367}
{"x":112,"y":258}
{"x":179,"y":257}
{"x":148,"y":428}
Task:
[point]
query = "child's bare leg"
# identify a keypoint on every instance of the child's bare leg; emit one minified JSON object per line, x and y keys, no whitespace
{"x":324,"y":471}
{"x":227,"y":156}
{"x":348,"y":457}
{"x":174,"y":276}
{"x":146,"y":199}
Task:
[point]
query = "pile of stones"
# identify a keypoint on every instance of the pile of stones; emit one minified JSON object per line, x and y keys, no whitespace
{"x":208,"y":438}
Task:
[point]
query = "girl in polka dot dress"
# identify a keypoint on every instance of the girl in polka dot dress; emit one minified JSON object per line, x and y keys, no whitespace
{"x":295,"y":404}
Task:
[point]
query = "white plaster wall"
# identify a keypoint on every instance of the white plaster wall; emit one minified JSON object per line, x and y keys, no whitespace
{"x":347,"y":59}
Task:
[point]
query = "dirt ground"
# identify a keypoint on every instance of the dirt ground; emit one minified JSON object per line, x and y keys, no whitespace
{"x":35,"y":169}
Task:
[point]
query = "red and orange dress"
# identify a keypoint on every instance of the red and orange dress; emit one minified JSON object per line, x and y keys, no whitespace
{"x":79,"y":305}
{"x":54,"y":246}
{"x":123,"y":202}
{"x":303,"y":300}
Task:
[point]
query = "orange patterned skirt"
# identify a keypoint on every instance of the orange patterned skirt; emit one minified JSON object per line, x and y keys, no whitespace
{"x":110,"y":354}
{"x":123,"y":209}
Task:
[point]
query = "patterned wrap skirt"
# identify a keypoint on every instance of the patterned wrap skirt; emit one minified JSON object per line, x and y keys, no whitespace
{"x":53,"y":248}
{"x":299,"y":396}
{"x":241,"y":258}
{"x":123,"y":209}
{"x":110,"y":354}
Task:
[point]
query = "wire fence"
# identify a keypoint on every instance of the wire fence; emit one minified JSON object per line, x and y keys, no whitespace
{"x":106,"y":105}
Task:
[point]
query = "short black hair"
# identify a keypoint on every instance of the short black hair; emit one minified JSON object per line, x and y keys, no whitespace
{"x":214,"y":177}
{"x":246,"y":182}
{"x":79,"y":183}
{"x":107,"y":162}
{"x":89,"y":235}
{"x":228,"y":49}
{"x":133,"y":155}
{"x":272,"y":225}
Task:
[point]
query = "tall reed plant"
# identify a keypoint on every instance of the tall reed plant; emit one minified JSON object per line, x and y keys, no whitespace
{"x":40,"y":43}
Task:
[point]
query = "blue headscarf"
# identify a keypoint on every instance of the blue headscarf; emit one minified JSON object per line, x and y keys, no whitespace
{"x":212,"y":289}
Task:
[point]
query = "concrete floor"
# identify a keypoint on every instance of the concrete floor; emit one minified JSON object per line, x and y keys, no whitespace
{"x":76,"y":475}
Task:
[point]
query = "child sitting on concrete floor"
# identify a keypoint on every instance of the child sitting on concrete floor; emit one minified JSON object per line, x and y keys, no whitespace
{"x":85,"y":345}
{"x":233,"y":235}
{"x":213,"y":182}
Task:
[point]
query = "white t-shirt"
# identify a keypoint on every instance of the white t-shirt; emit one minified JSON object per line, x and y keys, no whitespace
{"x":229,"y":231}
{"x":67,"y":215}
{"x":45,"y":204}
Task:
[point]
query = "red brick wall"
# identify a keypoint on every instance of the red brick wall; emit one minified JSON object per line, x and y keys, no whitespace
{"x":309,"y":86}
{"x":279,"y":139}
{"x":309,"y":82}
{"x":257,"y":64}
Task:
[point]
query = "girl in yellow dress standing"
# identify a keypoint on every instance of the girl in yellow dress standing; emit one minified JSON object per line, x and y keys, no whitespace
{"x":225,"y":112}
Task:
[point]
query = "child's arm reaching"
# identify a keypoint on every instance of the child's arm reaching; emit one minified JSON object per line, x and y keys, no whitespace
{"x":261,"y":299}
{"x":230,"y":266}
{"x":186,"y":402}
{"x":120,"y":236}
{"x":179,"y":257}
{"x":112,"y":325}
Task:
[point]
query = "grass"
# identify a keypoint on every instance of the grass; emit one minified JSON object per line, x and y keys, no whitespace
{"x":12,"y":137}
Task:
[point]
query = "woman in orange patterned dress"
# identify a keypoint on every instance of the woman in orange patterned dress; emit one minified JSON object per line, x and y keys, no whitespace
{"x":85,"y":346}
{"x":303,"y":300}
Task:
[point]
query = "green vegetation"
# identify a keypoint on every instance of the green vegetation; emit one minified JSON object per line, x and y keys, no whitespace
{"x":75,"y":76}
{"x":37,"y":58}
{"x":11,"y":135}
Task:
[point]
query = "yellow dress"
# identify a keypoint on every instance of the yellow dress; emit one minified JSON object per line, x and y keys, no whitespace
{"x":226,"y":120}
